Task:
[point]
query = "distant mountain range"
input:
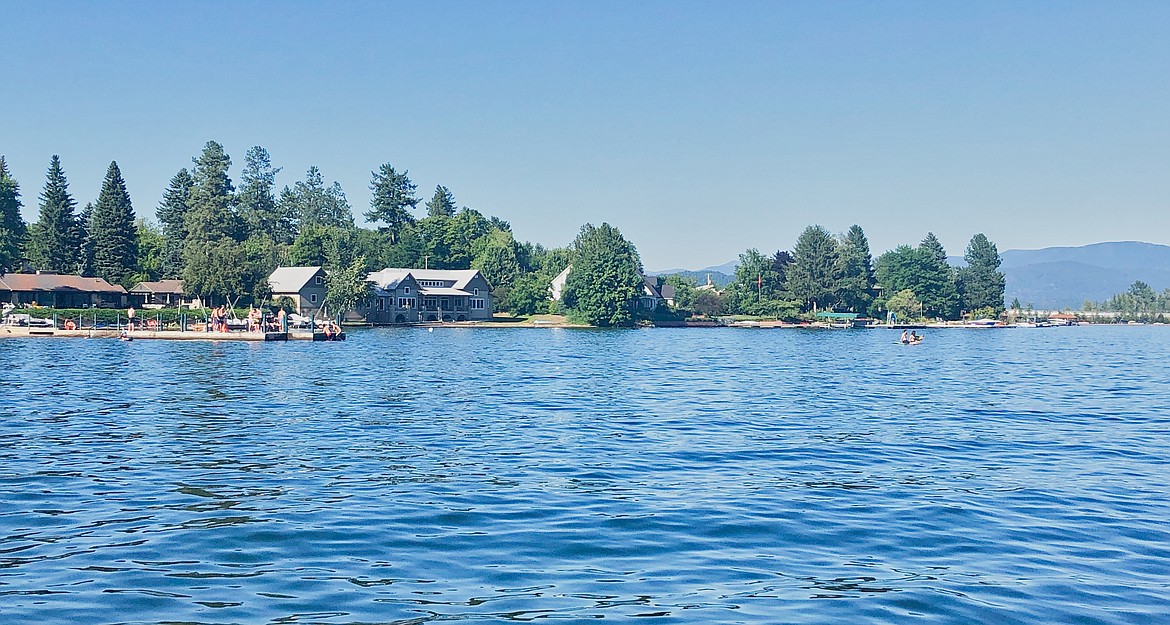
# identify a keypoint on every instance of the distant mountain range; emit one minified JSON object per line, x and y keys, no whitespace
{"x":1052,"y":277}
{"x":1064,"y":277}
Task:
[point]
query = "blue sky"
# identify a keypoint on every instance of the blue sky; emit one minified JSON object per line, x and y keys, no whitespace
{"x":698,"y":129}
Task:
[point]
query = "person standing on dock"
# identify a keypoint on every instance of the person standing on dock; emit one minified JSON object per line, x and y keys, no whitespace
{"x":130,"y":318}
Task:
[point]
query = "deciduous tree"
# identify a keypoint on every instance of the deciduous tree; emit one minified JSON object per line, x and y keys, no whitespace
{"x":605,"y":282}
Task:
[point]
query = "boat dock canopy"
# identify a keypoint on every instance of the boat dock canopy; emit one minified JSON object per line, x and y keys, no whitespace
{"x":836,"y":315}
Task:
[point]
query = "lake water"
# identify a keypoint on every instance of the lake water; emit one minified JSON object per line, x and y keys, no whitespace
{"x":683,"y":476}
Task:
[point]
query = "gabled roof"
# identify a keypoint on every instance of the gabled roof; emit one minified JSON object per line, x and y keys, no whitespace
{"x":56,"y":282}
{"x":390,"y":277}
{"x":161,"y":286}
{"x":291,"y":279}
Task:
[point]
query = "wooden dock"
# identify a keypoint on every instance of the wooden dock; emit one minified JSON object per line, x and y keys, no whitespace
{"x":164,"y":335}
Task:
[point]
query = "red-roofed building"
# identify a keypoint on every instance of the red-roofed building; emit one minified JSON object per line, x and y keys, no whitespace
{"x":59,"y":291}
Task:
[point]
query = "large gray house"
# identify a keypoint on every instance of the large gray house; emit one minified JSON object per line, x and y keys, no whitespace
{"x":413,"y":295}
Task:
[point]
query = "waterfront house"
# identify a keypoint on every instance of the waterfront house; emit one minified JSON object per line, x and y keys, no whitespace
{"x":59,"y":291}
{"x":305,"y":286}
{"x":655,"y":291}
{"x":408,"y":295}
{"x":159,"y":294}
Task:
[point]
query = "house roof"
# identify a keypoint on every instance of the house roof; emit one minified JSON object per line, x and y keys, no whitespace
{"x":388,"y":279}
{"x":291,"y":279}
{"x":56,"y":282}
{"x":392,"y":276}
{"x":161,"y":286}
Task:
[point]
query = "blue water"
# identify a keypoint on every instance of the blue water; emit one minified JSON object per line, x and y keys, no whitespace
{"x":684,"y":476}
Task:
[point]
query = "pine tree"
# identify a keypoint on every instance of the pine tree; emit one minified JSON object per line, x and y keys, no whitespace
{"x":258,"y":206}
{"x":442,"y":204}
{"x":211,"y":208}
{"x":12,"y":227}
{"x":85,"y":222}
{"x":54,"y":239}
{"x":172,"y":216}
{"x":981,"y":283}
{"x":936,"y":287}
{"x":392,"y":200}
{"x":856,"y":271}
{"x":309,"y":203}
{"x":813,"y":275}
{"x":112,"y":231}
{"x":211,"y":252}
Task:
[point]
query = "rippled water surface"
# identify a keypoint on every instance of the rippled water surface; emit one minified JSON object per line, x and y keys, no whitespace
{"x":698,"y":476}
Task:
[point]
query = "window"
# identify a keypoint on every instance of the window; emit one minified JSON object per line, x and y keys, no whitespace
{"x":405,"y":291}
{"x":406,"y":302}
{"x":381,"y":303}
{"x":318,"y":280}
{"x":475,"y":292}
{"x":313,"y":298}
{"x":477,"y":304}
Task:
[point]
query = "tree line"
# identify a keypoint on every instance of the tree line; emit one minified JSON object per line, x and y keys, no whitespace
{"x":223,"y":240}
{"x":823,"y":272}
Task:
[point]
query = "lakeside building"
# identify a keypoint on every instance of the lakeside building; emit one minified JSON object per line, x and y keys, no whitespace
{"x":59,"y":291}
{"x":305,"y":286}
{"x":161,"y":294}
{"x":404,"y":295}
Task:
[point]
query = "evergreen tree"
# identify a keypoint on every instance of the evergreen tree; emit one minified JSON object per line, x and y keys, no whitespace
{"x":917,"y":269}
{"x":172,"y":217}
{"x":54,"y":239}
{"x":936,"y":284}
{"x":855,"y":266}
{"x":259,"y":209}
{"x":211,"y":207}
{"x":604,"y":285}
{"x":392,"y":200}
{"x":213,"y":258}
{"x":85,"y":222}
{"x":442,"y":204}
{"x":780,"y":261}
{"x":12,"y":227}
{"x":935,"y":247}
{"x":112,"y":232}
{"x":980,"y":282}
{"x":310,"y":203}
{"x":813,"y":274}
{"x":172,"y":211}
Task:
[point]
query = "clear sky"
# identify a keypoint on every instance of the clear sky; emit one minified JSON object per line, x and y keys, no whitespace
{"x":698,"y":129}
